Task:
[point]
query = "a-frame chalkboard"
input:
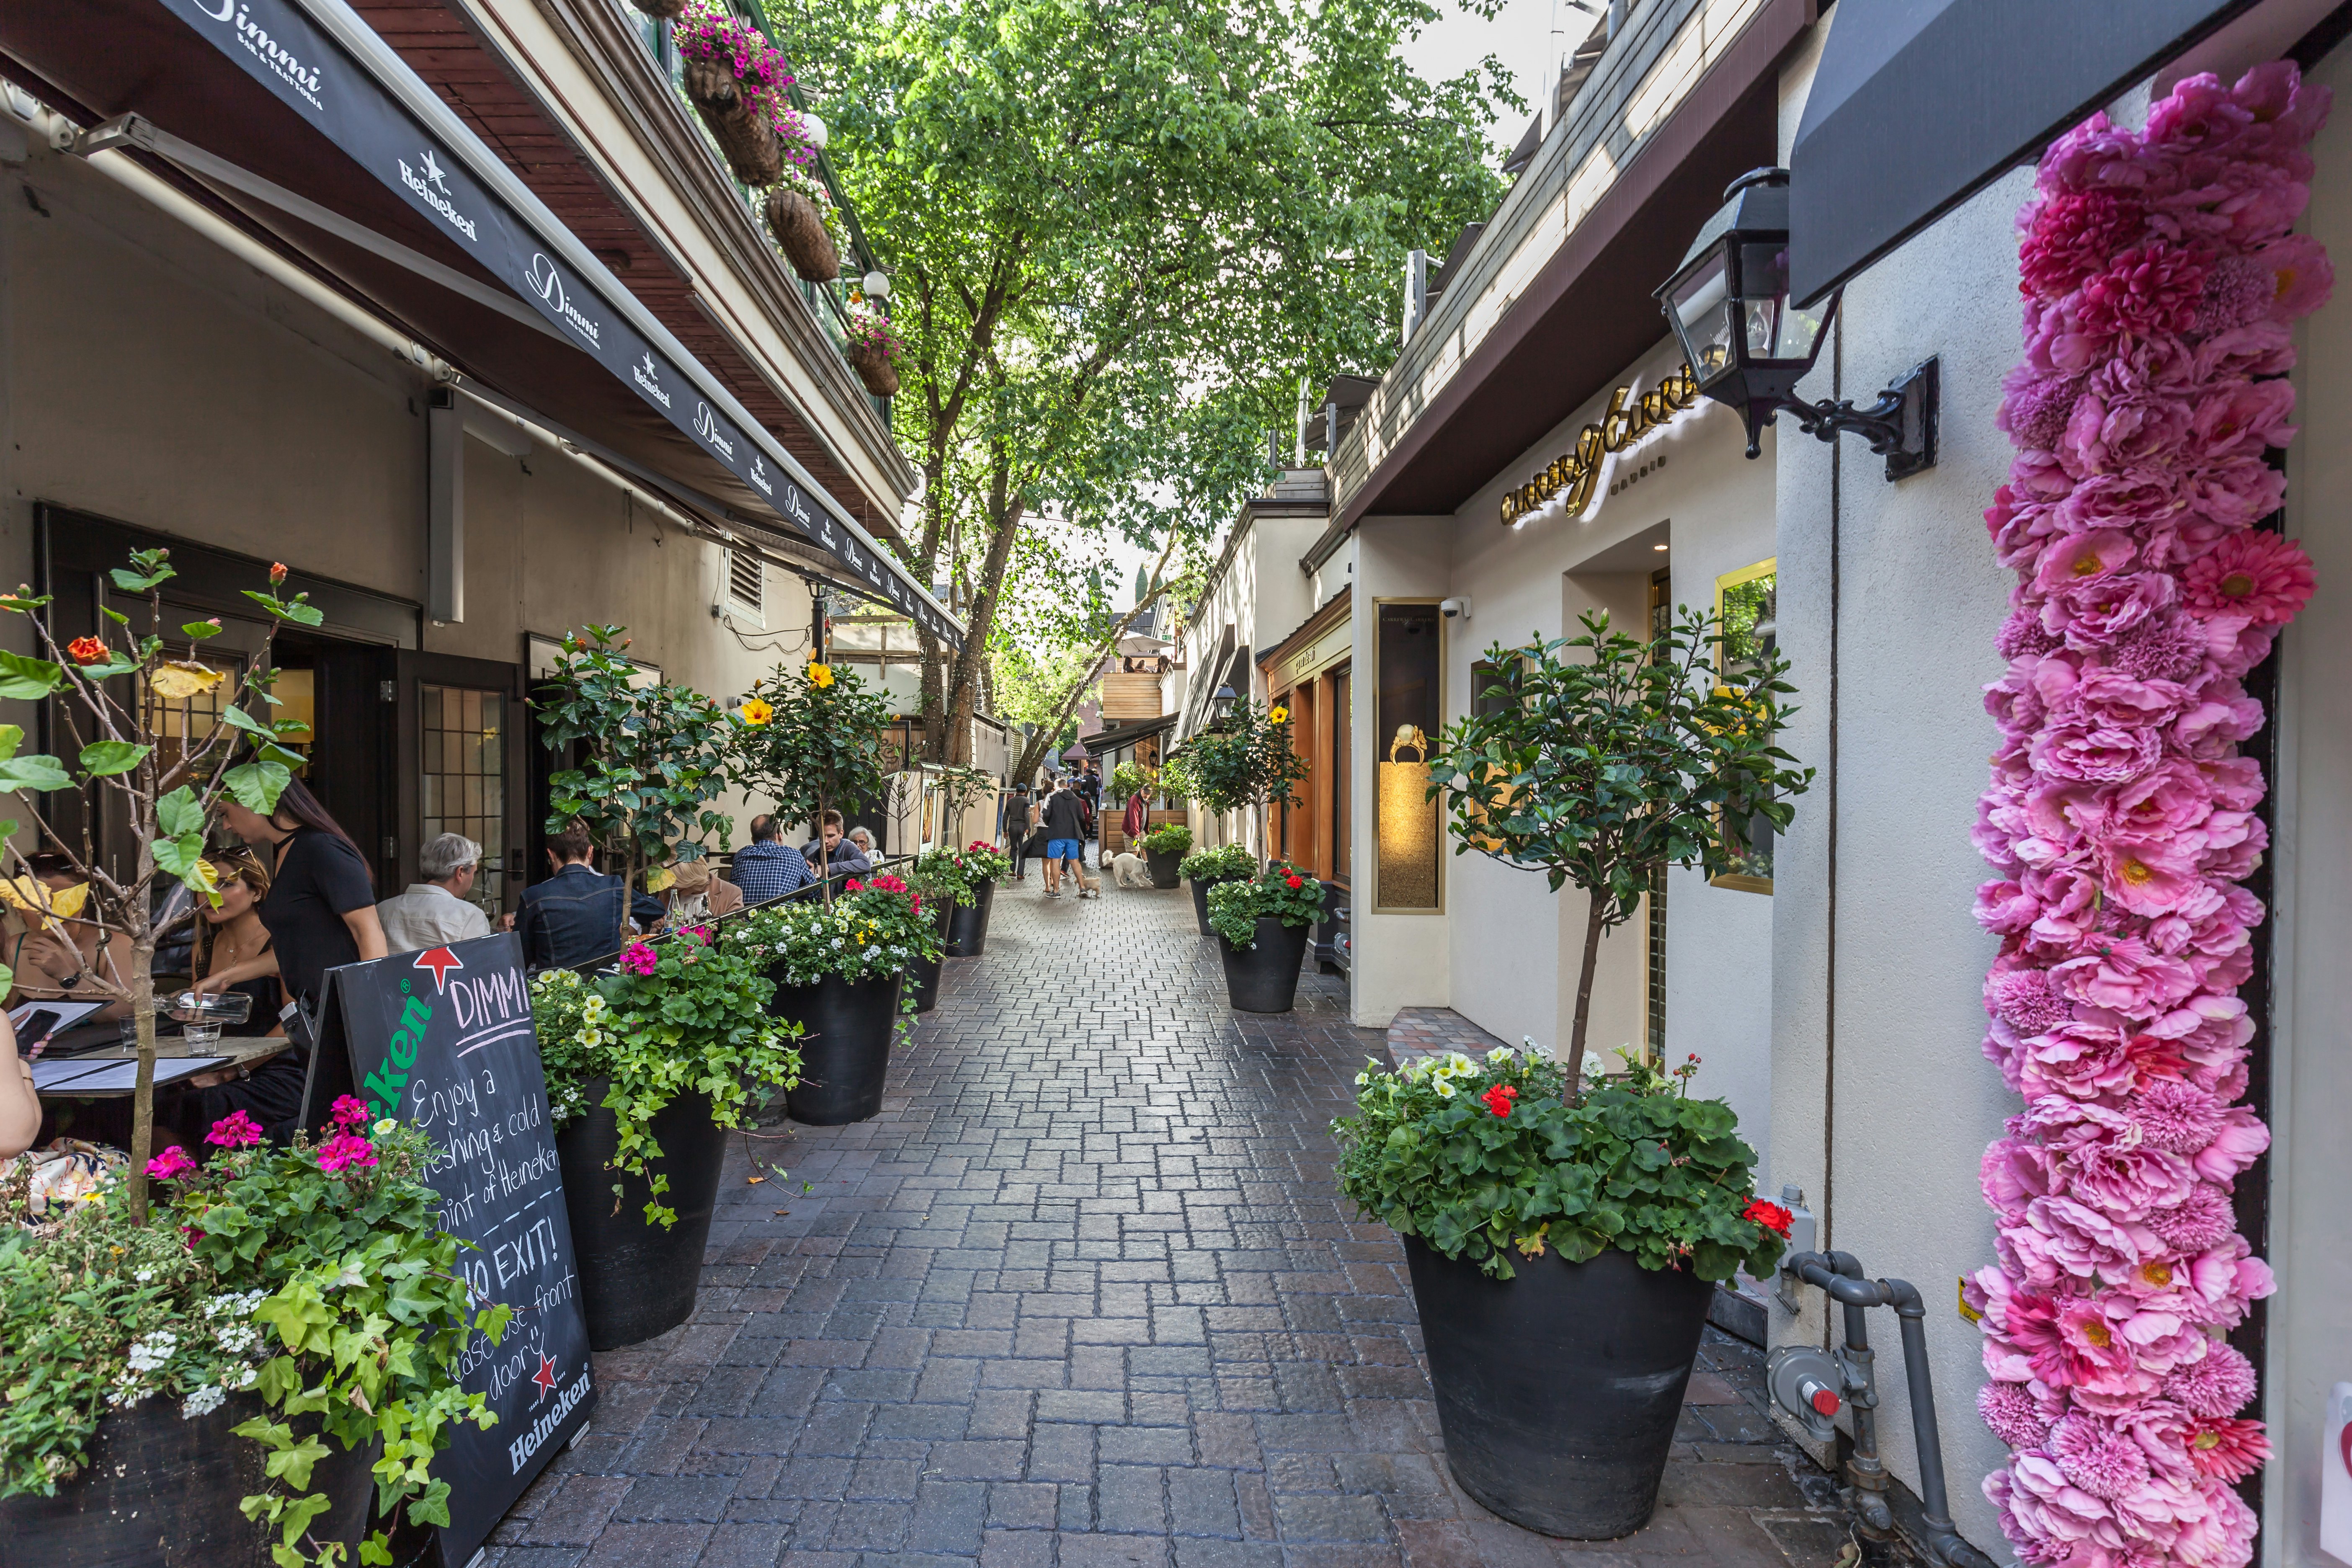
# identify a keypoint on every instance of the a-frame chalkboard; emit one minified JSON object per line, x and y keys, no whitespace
{"x":443,"y":1039}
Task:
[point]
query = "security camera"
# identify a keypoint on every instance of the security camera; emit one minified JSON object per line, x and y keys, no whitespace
{"x":1450,"y":608}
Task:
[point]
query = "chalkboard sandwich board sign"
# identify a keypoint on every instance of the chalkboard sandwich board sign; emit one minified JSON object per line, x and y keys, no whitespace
{"x":443,"y":1039}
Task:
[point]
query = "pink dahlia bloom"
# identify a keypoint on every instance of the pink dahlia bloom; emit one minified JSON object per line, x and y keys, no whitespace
{"x":2013,"y":1415}
{"x":2259,"y":575}
{"x":2147,"y":289}
{"x":2071,"y":235}
{"x":2221,"y":1384}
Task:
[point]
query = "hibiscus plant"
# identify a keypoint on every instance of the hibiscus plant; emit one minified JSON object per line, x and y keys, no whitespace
{"x":160,"y":734}
{"x":1485,"y":1160}
{"x":1607,"y":757}
{"x":1248,"y":764}
{"x":810,"y":739}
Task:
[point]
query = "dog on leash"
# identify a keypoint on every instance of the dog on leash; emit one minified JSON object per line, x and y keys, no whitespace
{"x":1130,"y":870}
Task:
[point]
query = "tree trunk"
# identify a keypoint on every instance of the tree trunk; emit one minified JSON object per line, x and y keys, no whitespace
{"x":1592,"y":929}
{"x":142,"y":1093}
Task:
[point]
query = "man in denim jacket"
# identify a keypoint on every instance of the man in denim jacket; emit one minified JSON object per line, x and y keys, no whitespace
{"x":575,"y":916}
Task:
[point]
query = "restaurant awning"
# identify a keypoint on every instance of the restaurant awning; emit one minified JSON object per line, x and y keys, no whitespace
{"x":417,"y":217}
{"x":1919,"y":104}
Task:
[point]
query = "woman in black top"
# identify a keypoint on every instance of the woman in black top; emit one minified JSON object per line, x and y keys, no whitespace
{"x":321,"y":913}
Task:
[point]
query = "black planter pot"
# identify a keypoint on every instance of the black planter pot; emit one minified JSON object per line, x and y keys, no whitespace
{"x":636,"y":1279}
{"x":1263,"y":977}
{"x":160,"y":1492}
{"x":1167,"y":870}
{"x":968,"y":927}
{"x":845,"y":1050}
{"x":1201,"y":899}
{"x":1557,"y":1391}
{"x":923,"y":974}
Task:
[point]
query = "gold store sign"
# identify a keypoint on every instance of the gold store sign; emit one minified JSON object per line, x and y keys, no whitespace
{"x":1580,"y":470}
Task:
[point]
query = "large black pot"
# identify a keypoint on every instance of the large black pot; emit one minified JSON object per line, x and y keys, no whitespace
{"x":1167,"y":870}
{"x":968,"y":927}
{"x":161,"y":1493}
{"x":636,"y":1279}
{"x":1200,"y":886}
{"x":1557,"y":1391}
{"x":923,"y":974}
{"x":845,"y":1050}
{"x":1264,"y":976}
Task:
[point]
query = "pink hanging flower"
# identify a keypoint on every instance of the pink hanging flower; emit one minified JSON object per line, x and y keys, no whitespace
{"x":2071,"y":235}
{"x":2259,"y":575}
{"x":2147,"y":290}
{"x":171,"y":1164}
{"x":234,"y":1131}
{"x":640,"y":959}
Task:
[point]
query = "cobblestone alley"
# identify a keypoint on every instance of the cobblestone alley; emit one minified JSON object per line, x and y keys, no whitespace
{"x":1084,"y":1296}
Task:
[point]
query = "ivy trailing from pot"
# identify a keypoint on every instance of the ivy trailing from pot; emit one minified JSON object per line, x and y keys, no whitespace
{"x":315,"y":1280}
{"x":681,"y":1016}
{"x":1282,"y":892}
{"x":1484,"y":1161}
{"x":1607,"y":758}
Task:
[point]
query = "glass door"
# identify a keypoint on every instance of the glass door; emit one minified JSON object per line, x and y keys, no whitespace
{"x":459,"y":727}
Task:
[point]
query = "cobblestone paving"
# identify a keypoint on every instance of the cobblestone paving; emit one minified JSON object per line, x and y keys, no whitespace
{"x":1084,"y":1296}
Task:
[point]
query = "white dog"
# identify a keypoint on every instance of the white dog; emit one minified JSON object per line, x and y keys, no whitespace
{"x":1130,"y":870}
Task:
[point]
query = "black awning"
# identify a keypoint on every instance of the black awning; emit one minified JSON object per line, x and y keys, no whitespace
{"x":1919,"y":104}
{"x":303,"y":93}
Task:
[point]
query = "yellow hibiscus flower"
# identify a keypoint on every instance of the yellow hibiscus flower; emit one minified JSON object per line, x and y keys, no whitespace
{"x":1278,"y":714}
{"x":755,"y":711}
{"x":820,"y":674}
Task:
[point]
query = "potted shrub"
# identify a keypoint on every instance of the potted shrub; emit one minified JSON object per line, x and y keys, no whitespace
{"x":840,"y":970}
{"x":1563,"y":1253}
{"x":192,"y":1381}
{"x":1164,"y":848}
{"x":810,"y":739}
{"x":969,"y":876}
{"x":875,"y":350}
{"x":801,"y":216}
{"x":1206,"y":867}
{"x":1604,"y":767}
{"x":733,"y":77}
{"x":165,"y":797}
{"x":1246,"y":765}
{"x":647,"y":1069}
{"x":1262,"y":923}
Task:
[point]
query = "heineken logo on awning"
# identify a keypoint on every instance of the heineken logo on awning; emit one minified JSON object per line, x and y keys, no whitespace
{"x":432,"y":188}
{"x":648,"y":379}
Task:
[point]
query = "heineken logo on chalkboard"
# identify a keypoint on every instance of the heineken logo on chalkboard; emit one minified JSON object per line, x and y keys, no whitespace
{"x":388,"y":1083}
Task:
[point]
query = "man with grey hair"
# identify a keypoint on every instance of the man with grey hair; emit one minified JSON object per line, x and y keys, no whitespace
{"x":435,"y":912}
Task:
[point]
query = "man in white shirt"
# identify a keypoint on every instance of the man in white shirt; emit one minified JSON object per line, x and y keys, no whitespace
{"x":435,"y":912}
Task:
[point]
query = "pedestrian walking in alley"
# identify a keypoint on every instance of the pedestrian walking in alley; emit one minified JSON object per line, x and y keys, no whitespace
{"x":1012,"y":827}
{"x":1065,"y":844}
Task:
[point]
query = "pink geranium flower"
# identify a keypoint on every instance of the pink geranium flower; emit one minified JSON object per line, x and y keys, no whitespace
{"x":234,"y":1131}
{"x":640,"y":959}
{"x":2259,"y":575}
{"x":344,"y":1152}
{"x":171,"y":1164}
{"x":348,"y":1111}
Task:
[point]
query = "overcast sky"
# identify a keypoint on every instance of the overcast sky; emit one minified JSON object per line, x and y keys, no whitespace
{"x":1520,"y":35}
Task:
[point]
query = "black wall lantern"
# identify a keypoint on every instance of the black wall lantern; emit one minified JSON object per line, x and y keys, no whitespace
{"x":1748,"y":343}
{"x":1221,"y":707}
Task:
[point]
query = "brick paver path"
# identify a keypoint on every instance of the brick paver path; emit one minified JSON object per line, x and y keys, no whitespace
{"x":1084,"y":1296}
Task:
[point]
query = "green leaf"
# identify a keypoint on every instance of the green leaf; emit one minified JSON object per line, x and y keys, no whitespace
{"x":103,"y":759}
{"x":35,"y":773}
{"x":199,"y":630}
{"x":133,"y":583}
{"x":238,"y":719}
{"x":297,"y":609}
{"x":11,"y":737}
{"x":182,"y":855}
{"x":256,"y":786}
{"x":117,"y":617}
{"x":179,"y":812}
{"x":27,"y":679}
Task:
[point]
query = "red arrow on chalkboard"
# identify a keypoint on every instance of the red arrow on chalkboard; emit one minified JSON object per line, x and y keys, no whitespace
{"x":440,"y":961}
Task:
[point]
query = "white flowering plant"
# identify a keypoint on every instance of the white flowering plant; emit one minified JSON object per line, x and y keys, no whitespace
{"x":681,"y":1013}
{"x":314,"y":1279}
{"x":874,"y":930}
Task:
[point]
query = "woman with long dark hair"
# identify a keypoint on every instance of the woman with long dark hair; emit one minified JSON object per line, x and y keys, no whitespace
{"x":320,"y":912}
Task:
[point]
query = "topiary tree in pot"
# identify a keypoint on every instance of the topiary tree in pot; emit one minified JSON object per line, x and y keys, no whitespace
{"x":810,"y":739}
{"x":1607,"y":758}
{"x":1249,"y":765}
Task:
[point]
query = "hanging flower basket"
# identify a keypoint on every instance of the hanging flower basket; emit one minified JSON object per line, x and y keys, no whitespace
{"x":872,"y":363}
{"x":800,"y":231}
{"x":736,"y":119}
{"x":667,"y":10}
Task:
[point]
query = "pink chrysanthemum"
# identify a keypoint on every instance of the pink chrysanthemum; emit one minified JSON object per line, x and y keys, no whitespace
{"x":2220,"y":1385}
{"x":2195,"y":1224}
{"x":2096,"y":1458}
{"x":2023,"y":635}
{"x":2012,"y":1414}
{"x":2167,"y":647}
{"x":2149,"y":289}
{"x":2253,"y":573}
{"x":2037,"y":407}
{"x":2071,"y":235}
{"x":2177,"y":1116}
{"x":2026,"y":1001}
{"x":2237,"y":290}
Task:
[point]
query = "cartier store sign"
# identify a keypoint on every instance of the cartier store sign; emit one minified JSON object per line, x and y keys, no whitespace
{"x":1579,"y":472}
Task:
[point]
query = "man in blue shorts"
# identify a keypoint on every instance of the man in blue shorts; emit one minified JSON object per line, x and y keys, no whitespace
{"x":1065,"y":840}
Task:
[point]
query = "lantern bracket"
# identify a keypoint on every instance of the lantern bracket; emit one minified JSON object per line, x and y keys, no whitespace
{"x":1900,"y":427}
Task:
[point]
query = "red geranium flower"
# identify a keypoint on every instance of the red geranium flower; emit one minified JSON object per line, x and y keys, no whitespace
{"x":852,"y":886}
{"x":87,"y":650}
{"x":1498,"y":1099}
{"x":1294,"y":880}
{"x":1770,"y":1215}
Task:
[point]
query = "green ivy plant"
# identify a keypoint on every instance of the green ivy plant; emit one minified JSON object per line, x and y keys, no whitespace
{"x":1606,"y":757}
{"x":1483,"y":1159}
{"x":1283,"y":890}
{"x":1168,"y":839}
{"x":1219,"y":863}
{"x":316,"y":1278}
{"x":1248,"y":766}
{"x":810,"y":740}
{"x":682,"y":1013}
{"x":117,"y":696}
{"x":650,"y":761}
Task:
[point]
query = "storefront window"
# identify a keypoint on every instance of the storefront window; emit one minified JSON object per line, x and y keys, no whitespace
{"x":1406,"y":723}
{"x":464,"y":753}
{"x":1745,"y":601}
